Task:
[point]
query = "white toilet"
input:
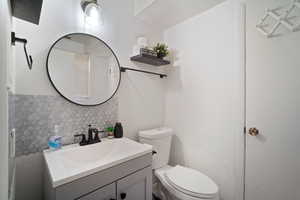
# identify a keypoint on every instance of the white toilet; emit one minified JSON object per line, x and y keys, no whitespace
{"x":176,"y":183}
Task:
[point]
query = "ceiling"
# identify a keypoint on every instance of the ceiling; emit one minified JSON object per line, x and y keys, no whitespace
{"x":165,"y":13}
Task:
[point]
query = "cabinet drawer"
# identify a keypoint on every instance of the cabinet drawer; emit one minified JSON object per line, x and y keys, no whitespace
{"x":106,"y":193}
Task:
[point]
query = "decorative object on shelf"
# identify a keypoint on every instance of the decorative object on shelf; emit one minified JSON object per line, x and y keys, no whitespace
{"x":147,"y":52}
{"x":15,"y":39}
{"x":124,"y":69}
{"x":281,"y":19}
{"x":161,"y":50}
{"x":142,"y":42}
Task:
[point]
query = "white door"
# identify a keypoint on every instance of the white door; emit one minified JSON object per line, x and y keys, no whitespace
{"x":273,"y":107}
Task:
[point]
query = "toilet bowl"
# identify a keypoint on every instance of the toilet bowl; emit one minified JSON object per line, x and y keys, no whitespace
{"x":178,"y":182}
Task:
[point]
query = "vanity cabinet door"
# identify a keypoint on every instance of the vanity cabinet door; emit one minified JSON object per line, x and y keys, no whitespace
{"x":137,"y":186}
{"x":105,"y":193}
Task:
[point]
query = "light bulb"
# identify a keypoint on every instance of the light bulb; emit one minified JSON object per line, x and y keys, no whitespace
{"x":92,"y":13}
{"x":92,"y":10}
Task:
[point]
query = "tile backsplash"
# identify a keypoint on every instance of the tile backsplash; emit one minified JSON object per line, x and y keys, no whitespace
{"x":35,"y":116}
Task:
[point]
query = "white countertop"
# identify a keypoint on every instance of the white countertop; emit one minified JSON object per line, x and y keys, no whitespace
{"x":73,"y":161}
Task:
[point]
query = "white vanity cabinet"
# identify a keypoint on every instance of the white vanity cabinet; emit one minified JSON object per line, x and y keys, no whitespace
{"x":131,"y":180}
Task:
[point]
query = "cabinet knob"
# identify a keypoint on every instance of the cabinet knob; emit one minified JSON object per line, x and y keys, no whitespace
{"x":123,"y":195}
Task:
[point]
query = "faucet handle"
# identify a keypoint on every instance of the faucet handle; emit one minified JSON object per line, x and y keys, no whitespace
{"x":96,"y":137}
{"x":83,"y":140}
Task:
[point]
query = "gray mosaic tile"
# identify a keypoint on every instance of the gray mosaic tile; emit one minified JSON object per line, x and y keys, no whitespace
{"x":34,"y":118}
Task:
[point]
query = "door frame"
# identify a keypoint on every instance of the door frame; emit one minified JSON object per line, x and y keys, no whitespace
{"x":5,"y":62}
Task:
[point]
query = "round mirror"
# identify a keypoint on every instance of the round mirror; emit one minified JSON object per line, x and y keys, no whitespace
{"x":83,"y":69}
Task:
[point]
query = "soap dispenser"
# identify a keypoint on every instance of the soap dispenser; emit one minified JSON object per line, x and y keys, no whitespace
{"x":118,"y":130}
{"x":55,"y":142}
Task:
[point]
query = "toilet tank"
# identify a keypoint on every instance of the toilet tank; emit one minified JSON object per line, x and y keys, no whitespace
{"x":160,"y":139}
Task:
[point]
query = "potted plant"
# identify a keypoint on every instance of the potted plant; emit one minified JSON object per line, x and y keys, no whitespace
{"x":110,"y":132}
{"x":161,"y":50}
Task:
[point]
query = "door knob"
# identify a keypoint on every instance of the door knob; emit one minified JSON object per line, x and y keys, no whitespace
{"x":123,"y":195}
{"x":253,"y":131}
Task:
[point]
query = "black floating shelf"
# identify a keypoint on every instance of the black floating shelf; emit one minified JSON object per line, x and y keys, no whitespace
{"x":150,"y":60}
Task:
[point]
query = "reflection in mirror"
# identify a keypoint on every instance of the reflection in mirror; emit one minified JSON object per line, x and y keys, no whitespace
{"x":83,"y":69}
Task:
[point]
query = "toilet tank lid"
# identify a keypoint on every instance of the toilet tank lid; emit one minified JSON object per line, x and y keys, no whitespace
{"x":156,"y":133}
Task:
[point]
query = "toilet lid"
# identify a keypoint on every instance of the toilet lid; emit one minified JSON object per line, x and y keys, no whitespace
{"x":191,"y":182}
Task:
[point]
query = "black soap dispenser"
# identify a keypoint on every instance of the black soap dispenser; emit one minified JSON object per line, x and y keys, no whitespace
{"x":118,"y":130}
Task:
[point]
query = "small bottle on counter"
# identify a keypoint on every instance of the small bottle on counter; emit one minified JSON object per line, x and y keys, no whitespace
{"x":118,"y":130}
{"x":55,"y":142}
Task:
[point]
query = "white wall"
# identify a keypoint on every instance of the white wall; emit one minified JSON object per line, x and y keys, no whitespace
{"x":140,"y":5}
{"x":5,"y":64}
{"x":141,"y":97}
{"x":204,"y":95}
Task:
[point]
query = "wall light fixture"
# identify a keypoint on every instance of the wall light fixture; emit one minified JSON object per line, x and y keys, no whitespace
{"x":92,"y":12}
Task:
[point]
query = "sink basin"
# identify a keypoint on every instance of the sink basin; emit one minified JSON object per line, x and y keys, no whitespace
{"x":73,"y":161}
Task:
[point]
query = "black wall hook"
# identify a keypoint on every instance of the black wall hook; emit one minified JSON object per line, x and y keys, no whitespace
{"x":14,"y":39}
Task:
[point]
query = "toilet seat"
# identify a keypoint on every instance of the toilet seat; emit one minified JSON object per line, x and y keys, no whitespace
{"x":186,"y":183}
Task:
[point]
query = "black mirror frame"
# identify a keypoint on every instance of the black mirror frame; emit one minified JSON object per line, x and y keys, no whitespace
{"x":52,"y":83}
